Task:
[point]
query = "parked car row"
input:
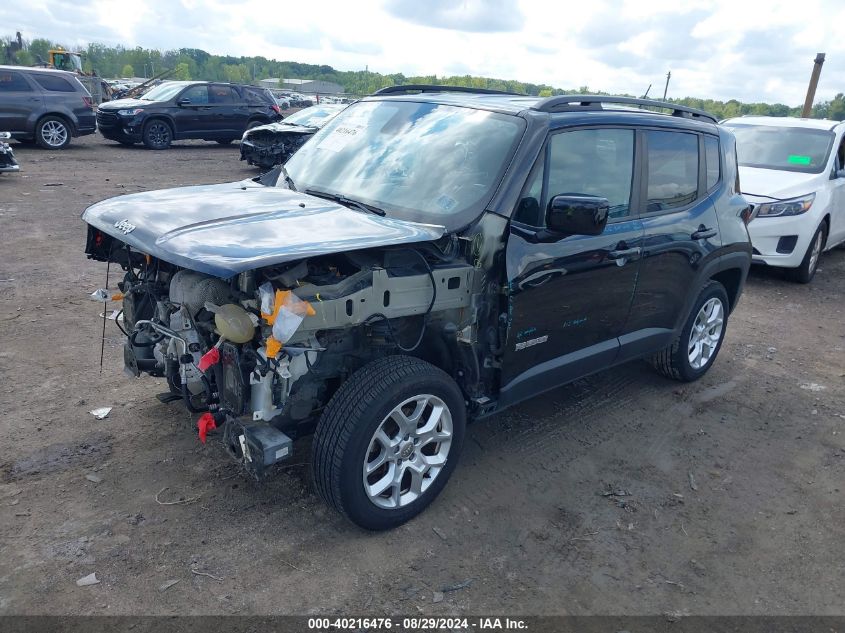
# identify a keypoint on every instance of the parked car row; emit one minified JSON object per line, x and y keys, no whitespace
{"x":791,"y":170}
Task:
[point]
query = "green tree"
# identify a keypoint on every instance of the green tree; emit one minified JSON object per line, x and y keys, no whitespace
{"x":127,"y":71}
{"x":545,"y":92}
{"x":181,"y":72}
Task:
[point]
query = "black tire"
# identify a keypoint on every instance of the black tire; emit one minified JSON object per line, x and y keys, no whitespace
{"x":52,"y":132}
{"x":345,"y":432}
{"x":673,"y":361}
{"x":255,"y":123}
{"x":224,"y":141}
{"x":157,"y":134}
{"x":809,"y":265}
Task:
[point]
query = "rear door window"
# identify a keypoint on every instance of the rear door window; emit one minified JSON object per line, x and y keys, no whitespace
{"x":672,"y":170}
{"x":222,"y":95}
{"x":54,"y":83}
{"x":13,"y":82}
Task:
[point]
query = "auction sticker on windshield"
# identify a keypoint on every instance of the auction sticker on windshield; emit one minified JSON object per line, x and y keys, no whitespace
{"x":340,"y":137}
{"x":799,"y":160}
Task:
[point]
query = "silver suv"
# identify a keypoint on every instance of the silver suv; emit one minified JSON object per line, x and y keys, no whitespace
{"x":44,"y":106}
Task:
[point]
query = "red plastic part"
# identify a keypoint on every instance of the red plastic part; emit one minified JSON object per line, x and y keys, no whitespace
{"x":205,"y":424}
{"x":211,"y":357}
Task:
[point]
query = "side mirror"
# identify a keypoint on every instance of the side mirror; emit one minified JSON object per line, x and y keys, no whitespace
{"x":840,"y":173}
{"x":5,"y":136}
{"x":183,"y":102}
{"x":576,"y":214}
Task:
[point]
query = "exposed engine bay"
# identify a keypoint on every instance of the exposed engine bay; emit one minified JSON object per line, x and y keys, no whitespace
{"x":259,"y":355}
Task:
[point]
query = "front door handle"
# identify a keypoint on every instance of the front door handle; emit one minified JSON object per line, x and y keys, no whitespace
{"x":626,"y":253}
{"x":703,"y":233}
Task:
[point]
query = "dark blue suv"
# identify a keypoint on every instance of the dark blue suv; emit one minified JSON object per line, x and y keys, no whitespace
{"x":431,"y":256}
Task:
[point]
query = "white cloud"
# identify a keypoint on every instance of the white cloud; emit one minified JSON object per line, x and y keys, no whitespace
{"x":752,"y":51}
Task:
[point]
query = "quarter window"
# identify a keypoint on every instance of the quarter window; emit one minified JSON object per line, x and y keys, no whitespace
{"x":54,"y":83}
{"x":672,"y":170}
{"x":711,"y":155}
{"x":13,"y":82}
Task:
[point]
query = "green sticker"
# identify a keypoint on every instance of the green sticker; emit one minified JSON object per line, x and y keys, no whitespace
{"x":799,"y":160}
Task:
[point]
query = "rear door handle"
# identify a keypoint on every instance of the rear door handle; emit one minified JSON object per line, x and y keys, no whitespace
{"x":626,"y":253}
{"x":703,"y":233}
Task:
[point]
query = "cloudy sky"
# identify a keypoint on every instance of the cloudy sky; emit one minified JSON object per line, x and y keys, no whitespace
{"x":745,"y":49}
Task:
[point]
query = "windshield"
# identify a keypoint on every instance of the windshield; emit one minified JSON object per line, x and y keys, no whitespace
{"x":422,"y":162}
{"x":782,"y":148}
{"x":163,"y":92}
{"x":315,"y":116}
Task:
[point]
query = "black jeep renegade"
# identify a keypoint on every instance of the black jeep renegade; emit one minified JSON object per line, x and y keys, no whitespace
{"x":431,"y":256}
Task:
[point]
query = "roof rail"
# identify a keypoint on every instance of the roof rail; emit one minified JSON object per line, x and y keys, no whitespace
{"x":396,"y":90}
{"x":564,"y":103}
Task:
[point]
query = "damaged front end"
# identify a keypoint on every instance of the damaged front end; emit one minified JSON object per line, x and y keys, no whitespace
{"x":8,"y":164}
{"x":267,"y":148}
{"x":260,"y":354}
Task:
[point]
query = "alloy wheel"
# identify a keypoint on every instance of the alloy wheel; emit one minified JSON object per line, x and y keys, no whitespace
{"x":54,"y":133}
{"x":706,"y":333}
{"x":159,"y":134}
{"x":407,"y":451}
{"x":817,"y":251}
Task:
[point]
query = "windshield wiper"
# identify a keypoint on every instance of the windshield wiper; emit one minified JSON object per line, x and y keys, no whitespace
{"x":283,"y":170}
{"x":336,"y":197}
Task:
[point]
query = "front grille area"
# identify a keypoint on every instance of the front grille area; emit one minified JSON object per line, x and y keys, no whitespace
{"x":106,"y":119}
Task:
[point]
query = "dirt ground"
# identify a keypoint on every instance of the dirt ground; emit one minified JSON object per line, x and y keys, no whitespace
{"x":624,"y":493}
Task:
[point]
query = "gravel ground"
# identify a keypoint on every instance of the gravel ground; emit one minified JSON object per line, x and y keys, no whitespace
{"x":623,"y":493}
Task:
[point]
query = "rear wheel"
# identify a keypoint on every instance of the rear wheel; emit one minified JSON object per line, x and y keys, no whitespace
{"x":254,"y":123}
{"x":157,"y":134}
{"x":807,"y":269}
{"x":52,"y":133}
{"x":388,"y":441}
{"x":691,"y":354}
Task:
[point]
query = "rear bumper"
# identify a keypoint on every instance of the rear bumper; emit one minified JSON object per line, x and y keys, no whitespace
{"x":86,"y":124}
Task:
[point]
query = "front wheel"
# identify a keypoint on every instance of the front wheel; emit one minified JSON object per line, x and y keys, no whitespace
{"x":157,"y":134}
{"x":691,"y":354}
{"x":807,"y":269}
{"x":388,"y":441}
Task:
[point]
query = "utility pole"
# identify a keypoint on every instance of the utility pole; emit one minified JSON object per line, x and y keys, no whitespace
{"x":666,"y":88}
{"x":645,"y":95}
{"x":811,"y":89}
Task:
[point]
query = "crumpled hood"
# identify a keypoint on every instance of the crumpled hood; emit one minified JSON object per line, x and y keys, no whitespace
{"x":281,"y":127}
{"x":756,"y":182}
{"x":226,"y":229}
{"x":120,"y":104}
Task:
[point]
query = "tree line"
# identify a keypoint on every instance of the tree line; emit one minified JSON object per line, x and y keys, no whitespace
{"x":194,"y":63}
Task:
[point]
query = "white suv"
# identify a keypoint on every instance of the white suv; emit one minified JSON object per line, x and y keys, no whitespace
{"x":793,"y":172}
